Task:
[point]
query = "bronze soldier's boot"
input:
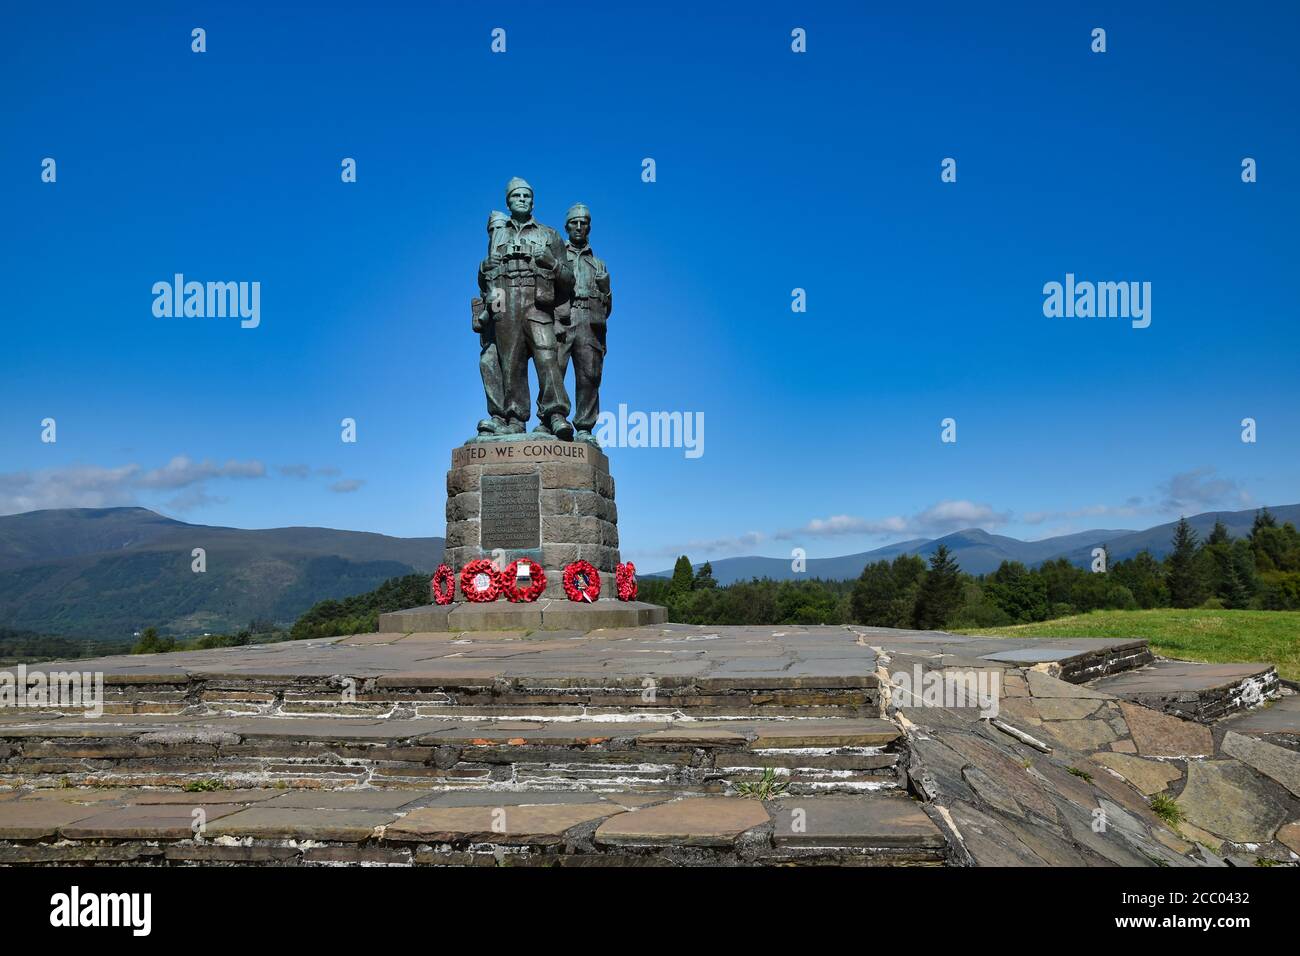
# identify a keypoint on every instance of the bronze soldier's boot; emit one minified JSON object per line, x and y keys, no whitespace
{"x":561,"y":428}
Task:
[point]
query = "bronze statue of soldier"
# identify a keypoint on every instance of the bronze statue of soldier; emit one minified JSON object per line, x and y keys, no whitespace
{"x":580,"y":322}
{"x":525,"y":275}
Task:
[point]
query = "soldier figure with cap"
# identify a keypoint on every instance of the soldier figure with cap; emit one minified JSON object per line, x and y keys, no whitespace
{"x":580,"y":322}
{"x":524,"y":277}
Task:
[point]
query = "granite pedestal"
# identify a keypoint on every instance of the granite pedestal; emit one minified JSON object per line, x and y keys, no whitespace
{"x":540,"y":498}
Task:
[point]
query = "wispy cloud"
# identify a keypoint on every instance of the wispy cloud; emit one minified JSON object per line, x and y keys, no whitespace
{"x":938,"y":519}
{"x":183,"y":471}
{"x":92,"y":486}
{"x":347,"y":485}
{"x":1200,"y":490}
{"x":729,"y":546}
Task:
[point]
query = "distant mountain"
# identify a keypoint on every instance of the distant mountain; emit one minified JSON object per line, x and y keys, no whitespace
{"x":978,"y":552}
{"x":107,"y":572}
{"x":1156,"y":540}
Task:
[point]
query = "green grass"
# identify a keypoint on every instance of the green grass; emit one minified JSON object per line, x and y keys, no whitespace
{"x":1165,"y":808}
{"x":765,"y":788}
{"x":1270,"y":637}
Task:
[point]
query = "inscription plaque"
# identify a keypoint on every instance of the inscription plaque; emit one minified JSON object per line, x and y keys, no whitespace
{"x":510,"y":512}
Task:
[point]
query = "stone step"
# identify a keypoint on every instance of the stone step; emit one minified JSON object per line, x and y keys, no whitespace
{"x":1194,"y":690}
{"x":445,"y":693}
{"x":806,"y":755}
{"x":520,"y":827}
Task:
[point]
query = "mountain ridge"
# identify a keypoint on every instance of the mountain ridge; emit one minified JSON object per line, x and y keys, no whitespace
{"x":105,"y":573}
{"x":980,"y":552}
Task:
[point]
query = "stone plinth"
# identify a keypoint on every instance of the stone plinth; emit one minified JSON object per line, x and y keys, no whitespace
{"x":542,"y":614}
{"x":526,"y":497}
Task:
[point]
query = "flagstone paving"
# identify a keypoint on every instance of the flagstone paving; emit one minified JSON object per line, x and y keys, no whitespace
{"x":694,"y":821}
{"x":649,"y":746}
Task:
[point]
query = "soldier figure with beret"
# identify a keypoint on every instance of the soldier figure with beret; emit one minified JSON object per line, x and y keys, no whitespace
{"x":580,"y":322}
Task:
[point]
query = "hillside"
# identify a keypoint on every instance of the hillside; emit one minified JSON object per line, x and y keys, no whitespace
{"x":106,"y":573}
{"x":979,"y":552}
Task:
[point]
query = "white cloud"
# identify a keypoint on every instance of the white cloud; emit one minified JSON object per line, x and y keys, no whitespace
{"x":346,"y":485}
{"x":740,"y":543}
{"x":91,"y":486}
{"x":183,"y":471}
{"x":1200,"y":490}
{"x":938,"y":519}
{"x":81,"y":486}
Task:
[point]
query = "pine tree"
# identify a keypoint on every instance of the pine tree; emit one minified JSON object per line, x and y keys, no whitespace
{"x":1234,"y":592}
{"x":683,"y":578}
{"x":873,"y":596}
{"x":1263,"y":519}
{"x":940,"y":593}
{"x":704,"y":577}
{"x":1219,"y":535}
{"x":1185,"y":586}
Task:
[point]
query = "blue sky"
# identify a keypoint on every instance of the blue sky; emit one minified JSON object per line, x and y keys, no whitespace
{"x":775,"y":170}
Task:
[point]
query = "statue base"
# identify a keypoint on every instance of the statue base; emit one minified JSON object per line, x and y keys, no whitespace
{"x":536,"y":497}
{"x":542,"y":614}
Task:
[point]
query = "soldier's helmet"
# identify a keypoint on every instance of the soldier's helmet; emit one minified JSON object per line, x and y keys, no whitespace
{"x":578,"y":210}
{"x":516,"y":183}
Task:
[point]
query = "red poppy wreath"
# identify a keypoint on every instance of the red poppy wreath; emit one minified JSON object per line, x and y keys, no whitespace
{"x":582,"y":581}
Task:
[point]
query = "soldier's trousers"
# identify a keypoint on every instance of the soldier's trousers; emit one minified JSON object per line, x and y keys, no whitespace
{"x":584,"y":343}
{"x":489,"y":366}
{"x":523,"y":330}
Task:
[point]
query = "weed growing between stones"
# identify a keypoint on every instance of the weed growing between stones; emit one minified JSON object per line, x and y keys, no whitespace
{"x":763,"y":789}
{"x":1165,"y":808}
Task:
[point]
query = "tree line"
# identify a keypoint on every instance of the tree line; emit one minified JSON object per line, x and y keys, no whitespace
{"x":1260,"y":571}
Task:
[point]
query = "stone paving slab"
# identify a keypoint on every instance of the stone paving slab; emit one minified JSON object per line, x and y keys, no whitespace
{"x":1173,"y":677}
{"x":693,"y":821}
{"x":869,"y":732}
{"x":345,"y":799}
{"x":693,"y":737}
{"x":147,"y":821}
{"x":852,"y":821}
{"x":1279,"y":763}
{"x":1279,"y":717}
{"x":1227,"y":798}
{"x":1149,"y":776}
{"x":541,"y":824}
{"x":516,"y":798}
{"x":1044,"y":685}
{"x":296,"y":823}
{"x":34,"y":818}
{"x":1161,"y":735}
{"x":159,"y":797}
